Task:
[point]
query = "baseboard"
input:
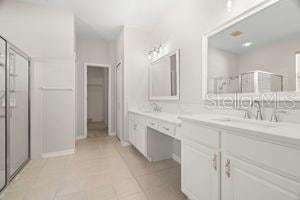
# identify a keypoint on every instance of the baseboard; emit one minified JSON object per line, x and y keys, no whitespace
{"x":125,"y":144}
{"x":58,"y":153}
{"x":176,"y":158}
{"x":112,"y":134}
{"x":80,"y":137}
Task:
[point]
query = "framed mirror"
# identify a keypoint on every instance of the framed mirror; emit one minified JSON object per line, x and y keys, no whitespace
{"x":164,"y":77}
{"x":256,"y":53}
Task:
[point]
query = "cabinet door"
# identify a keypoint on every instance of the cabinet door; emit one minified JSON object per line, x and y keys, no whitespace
{"x":132,"y":130}
{"x":140,"y":138}
{"x":200,"y":171}
{"x":244,"y":181}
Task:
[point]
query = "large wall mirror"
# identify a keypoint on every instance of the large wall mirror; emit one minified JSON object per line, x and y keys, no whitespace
{"x":256,"y":53}
{"x":164,"y":77}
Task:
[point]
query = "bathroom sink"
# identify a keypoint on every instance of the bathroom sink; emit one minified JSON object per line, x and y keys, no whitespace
{"x":247,"y":122}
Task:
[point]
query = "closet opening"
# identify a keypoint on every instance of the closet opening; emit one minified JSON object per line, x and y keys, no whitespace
{"x":97,"y":100}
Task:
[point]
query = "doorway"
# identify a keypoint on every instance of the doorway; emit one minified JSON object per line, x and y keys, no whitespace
{"x":97,"y":100}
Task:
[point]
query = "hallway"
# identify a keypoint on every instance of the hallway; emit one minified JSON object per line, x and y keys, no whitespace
{"x":101,"y":169}
{"x":97,"y":129}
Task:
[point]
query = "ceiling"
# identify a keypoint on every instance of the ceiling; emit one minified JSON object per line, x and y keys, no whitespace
{"x":275,"y":23}
{"x":106,"y":17}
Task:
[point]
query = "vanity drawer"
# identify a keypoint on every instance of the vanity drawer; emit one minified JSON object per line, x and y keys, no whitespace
{"x":276,"y":157}
{"x":153,"y":123}
{"x":167,"y":128}
{"x":204,"y":135}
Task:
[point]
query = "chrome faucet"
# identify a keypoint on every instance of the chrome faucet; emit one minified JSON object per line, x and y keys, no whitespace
{"x":156,"y":108}
{"x":274,"y":116}
{"x":259,"y":115}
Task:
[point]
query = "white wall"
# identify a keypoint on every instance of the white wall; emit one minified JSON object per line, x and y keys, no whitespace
{"x":47,"y":36}
{"x":116,"y":53}
{"x":89,"y":49}
{"x":37,"y":30}
{"x":55,"y":88}
{"x":132,"y":46}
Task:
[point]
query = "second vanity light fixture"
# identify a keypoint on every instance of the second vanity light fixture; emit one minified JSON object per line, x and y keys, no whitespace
{"x":155,"y":51}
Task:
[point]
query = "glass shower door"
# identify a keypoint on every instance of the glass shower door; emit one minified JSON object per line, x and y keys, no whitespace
{"x":2,"y":114}
{"x":19,"y":118}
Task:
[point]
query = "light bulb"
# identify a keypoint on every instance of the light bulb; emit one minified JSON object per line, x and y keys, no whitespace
{"x":150,"y":55}
{"x":229,"y":5}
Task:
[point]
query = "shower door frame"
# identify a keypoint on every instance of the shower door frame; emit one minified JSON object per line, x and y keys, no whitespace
{"x":10,"y":46}
{"x":5,"y":128}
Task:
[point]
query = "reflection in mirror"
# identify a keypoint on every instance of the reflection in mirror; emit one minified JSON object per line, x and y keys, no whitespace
{"x":298,"y":71}
{"x":164,"y":77}
{"x":258,"y":54}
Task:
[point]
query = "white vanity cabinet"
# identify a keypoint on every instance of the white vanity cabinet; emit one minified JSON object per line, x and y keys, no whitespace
{"x":200,"y":163}
{"x":137,"y":133}
{"x":200,"y":171}
{"x":256,"y":168}
{"x":232,"y":165}
{"x":153,"y":134}
{"x":242,"y":180}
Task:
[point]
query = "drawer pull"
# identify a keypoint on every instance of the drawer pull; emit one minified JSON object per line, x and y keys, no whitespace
{"x":167,"y":129}
{"x":152,"y":123}
{"x":215,"y":162}
{"x":227,"y":168}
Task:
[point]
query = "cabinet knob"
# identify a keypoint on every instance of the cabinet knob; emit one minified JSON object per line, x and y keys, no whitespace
{"x":215,"y":162}
{"x":227,"y":168}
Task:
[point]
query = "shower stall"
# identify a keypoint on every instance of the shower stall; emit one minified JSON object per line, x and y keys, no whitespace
{"x":14,"y":111}
{"x":261,"y":81}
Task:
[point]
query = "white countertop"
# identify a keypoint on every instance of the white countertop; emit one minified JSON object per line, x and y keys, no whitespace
{"x":167,"y":117}
{"x":280,"y":131}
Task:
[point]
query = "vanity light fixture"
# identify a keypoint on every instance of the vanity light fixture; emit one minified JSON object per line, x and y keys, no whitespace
{"x":150,"y":55}
{"x":155,"y":51}
{"x":247,"y":44}
{"x":229,"y":5}
{"x":159,"y":48}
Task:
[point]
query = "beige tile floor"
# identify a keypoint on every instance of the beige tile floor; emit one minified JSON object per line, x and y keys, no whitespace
{"x":101,"y":169}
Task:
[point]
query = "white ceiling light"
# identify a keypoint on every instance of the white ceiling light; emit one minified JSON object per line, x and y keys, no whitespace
{"x":247,"y":44}
{"x":229,"y":5}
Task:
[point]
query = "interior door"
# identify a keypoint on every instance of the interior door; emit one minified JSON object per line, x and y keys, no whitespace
{"x":19,"y":118}
{"x":244,"y":181}
{"x":119,"y":97}
{"x":2,"y":113}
